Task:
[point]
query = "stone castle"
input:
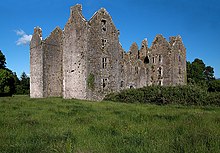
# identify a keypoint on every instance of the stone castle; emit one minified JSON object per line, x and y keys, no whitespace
{"x":87,"y":61}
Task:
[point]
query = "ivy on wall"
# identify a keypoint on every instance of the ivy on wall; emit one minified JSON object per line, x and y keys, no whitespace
{"x":91,"y":81}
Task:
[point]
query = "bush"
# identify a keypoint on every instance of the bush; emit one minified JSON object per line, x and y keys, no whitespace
{"x":185,"y":95}
{"x":214,"y":86}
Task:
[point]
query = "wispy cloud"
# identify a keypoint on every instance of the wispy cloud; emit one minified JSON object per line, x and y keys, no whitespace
{"x":24,"y":38}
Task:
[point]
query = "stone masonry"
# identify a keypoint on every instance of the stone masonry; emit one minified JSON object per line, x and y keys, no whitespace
{"x":87,"y":61}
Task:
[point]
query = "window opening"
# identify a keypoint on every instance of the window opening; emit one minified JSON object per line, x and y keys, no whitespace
{"x":160,"y":58}
{"x":104,"y":83}
{"x":146,"y":60}
{"x":159,"y":72}
{"x":160,"y":83}
{"x":103,"y":21}
{"x":122,"y":83}
{"x":104,"y":42}
{"x":104,"y":63}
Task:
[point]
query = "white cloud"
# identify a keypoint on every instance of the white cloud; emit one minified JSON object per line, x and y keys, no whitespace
{"x":20,"y":32}
{"x":24,"y":38}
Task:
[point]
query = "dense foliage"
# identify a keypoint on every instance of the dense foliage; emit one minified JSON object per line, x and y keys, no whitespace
{"x":198,"y":72}
{"x":9,"y":82}
{"x":23,"y":85}
{"x":185,"y":95}
{"x":7,"y":86}
{"x":2,"y":60}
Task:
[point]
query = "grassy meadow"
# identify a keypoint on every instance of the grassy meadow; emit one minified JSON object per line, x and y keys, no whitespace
{"x":63,"y":126}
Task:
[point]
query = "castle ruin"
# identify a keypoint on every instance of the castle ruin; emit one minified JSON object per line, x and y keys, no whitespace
{"x":86,"y":60}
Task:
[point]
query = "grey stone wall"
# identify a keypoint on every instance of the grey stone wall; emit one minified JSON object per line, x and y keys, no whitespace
{"x":103,"y":55}
{"x":86,"y":60}
{"x":36,"y":65}
{"x":74,"y":55}
{"x":52,"y":68}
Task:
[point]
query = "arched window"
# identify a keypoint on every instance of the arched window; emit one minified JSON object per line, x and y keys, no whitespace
{"x":146,"y":60}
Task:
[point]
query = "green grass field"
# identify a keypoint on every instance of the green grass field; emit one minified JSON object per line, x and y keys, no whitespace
{"x":57,"y":125}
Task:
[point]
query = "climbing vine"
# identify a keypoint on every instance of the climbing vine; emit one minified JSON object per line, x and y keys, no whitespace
{"x":91,"y":81}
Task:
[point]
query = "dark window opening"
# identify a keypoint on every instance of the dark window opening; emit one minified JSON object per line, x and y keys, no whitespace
{"x":160,"y":58}
{"x":104,"y":63}
{"x":153,"y":60}
{"x":146,"y":60}
{"x":104,"y":41}
{"x":159,"y":72}
{"x":160,"y":83}
{"x":122,"y":83}
{"x":104,"y":83}
{"x":103,"y":28}
{"x":103,"y":21}
{"x":131,"y":87}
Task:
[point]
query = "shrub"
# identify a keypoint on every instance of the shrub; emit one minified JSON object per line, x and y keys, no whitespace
{"x":185,"y":95}
{"x":214,"y":86}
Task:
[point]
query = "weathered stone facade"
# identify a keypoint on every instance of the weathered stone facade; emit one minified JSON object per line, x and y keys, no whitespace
{"x":86,"y":60}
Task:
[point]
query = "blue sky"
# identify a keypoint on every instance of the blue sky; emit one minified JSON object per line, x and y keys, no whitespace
{"x":197,"y":21}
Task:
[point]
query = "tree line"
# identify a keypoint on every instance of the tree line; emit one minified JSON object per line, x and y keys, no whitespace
{"x":9,"y":82}
{"x":200,"y":74}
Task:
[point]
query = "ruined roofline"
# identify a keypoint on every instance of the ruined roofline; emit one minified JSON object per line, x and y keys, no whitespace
{"x":133,"y":44}
{"x":175,"y":39}
{"x":56,"y":28}
{"x":172,"y":40}
{"x":38,"y":30}
{"x":106,"y":12}
{"x":77,"y":8}
{"x":36,"y":39}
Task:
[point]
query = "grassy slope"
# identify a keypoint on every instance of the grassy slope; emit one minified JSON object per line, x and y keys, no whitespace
{"x":57,"y":125}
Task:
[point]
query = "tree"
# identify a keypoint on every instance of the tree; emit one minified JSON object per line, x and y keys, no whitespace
{"x":25,"y":83}
{"x":197,"y":70}
{"x":7,"y":86}
{"x":209,"y":73}
{"x":2,"y":60}
{"x":189,"y":73}
{"x":8,"y":79}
